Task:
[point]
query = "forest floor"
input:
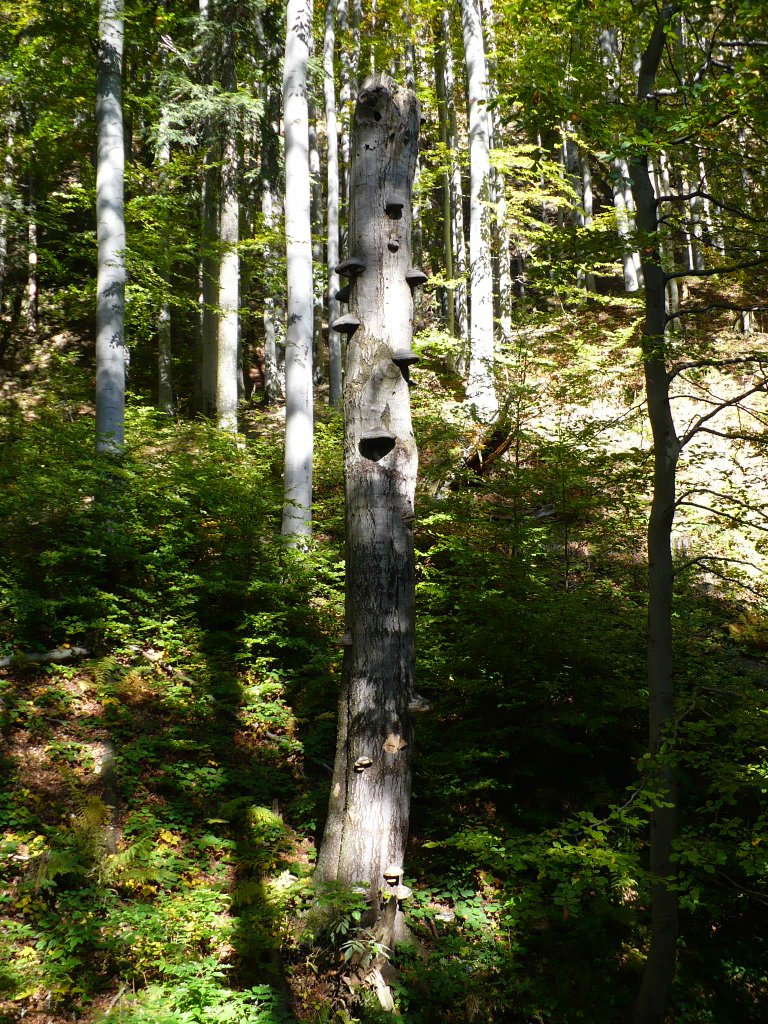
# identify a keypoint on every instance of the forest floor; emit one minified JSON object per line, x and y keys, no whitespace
{"x":164,"y":793}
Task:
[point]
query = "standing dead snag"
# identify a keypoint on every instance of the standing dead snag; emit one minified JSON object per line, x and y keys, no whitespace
{"x":367,"y":823}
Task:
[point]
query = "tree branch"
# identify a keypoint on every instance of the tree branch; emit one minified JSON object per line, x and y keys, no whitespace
{"x":696,"y":364}
{"x":717,"y":270}
{"x":705,"y":417}
{"x":54,"y":657}
{"x":695,"y":311}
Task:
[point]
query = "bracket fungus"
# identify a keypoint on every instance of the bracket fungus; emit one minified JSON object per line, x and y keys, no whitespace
{"x":342,"y":295}
{"x":394,"y":207}
{"x":416,"y":277}
{"x":362,"y":763}
{"x":350,"y":267}
{"x":393,"y":875}
{"x":393,"y":244}
{"x":405,"y":358}
{"x":375,"y":444}
{"x":346,"y":324}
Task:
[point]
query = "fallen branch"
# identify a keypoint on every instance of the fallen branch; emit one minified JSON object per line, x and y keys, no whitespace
{"x":54,"y":657}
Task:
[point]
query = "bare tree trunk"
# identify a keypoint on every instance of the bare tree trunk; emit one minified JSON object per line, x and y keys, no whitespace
{"x":498,"y":188}
{"x":481,"y":391}
{"x":442,"y":115}
{"x":454,"y":203}
{"x":659,"y":972}
{"x":587,"y":203}
{"x":6,"y":204}
{"x":297,"y":509}
{"x":164,"y":373}
{"x":110,"y":232}
{"x":31,"y":295}
{"x":368,"y":814}
{"x":329,"y":88}
{"x":228,"y":346}
{"x":316,"y":211}
{"x":209,"y":268}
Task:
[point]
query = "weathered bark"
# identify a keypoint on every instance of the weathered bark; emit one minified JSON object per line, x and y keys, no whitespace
{"x":658,"y":975}
{"x":332,"y":200}
{"x":227,"y":347}
{"x":297,"y":508}
{"x":110,"y":232}
{"x":442,"y":116}
{"x":369,"y":805}
{"x":481,"y":392}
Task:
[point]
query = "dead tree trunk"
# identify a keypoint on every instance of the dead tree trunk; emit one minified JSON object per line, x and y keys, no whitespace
{"x":370,"y":798}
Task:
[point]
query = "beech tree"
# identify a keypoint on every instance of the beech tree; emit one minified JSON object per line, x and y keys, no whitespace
{"x":367,"y":825}
{"x":297,"y":510}
{"x":110,"y":230}
{"x":481,"y":392}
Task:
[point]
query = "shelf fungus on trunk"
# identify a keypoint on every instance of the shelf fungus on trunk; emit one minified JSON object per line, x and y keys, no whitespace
{"x":342,"y":295}
{"x":416,"y":278}
{"x":346,"y":324}
{"x":394,"y":206}
{"x":368,"y":811}
{"x":404,"y":359}
{"x":350,"y":267}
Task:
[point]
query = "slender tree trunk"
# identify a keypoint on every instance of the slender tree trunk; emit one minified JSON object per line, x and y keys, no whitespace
{"x":481,"y":392}
{"x":587,"y":203}
{"x":110,"y":232}
{"x":367,"y":822}
{"x":316,"y":217}
{"x":297,"y":509}
{"x":164,"y":372}
{"x":228,"y":346}
{"x":498,"y":187}
{"x":6,"y":204}
{"x":31,"y":295}
{"x":442,"y":115}
{"x":659,"y":970}
{"x":329,"y":88}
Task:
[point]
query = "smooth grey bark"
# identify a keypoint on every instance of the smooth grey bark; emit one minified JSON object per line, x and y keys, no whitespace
{"x":297,"y":507}
{"x":500,"y":226}
{"x":661,"y":185}
{"x":442,"y":116}
{"x":6,"y":203}
{"x":164,"y":373}
{"x":316,"y":218}
{"x":367,"y":824}
{"x":110,"y":232}
{"x":209,"y":293}
{"x":453,"y":211}
{"x":270,"y":212}
{"x":623,"y":201}
{"x":481,"y":392}
{"x":227,"y":346}
{"x":31,"y":290}
{"x":208,"y":270}
{"x":332,"y":200}
{"x":653,"y":997}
